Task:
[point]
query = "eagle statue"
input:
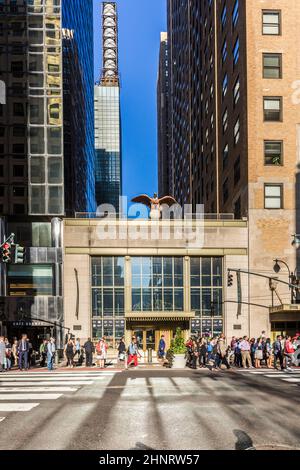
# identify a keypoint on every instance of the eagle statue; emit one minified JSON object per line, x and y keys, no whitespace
{"x":154,"y":203}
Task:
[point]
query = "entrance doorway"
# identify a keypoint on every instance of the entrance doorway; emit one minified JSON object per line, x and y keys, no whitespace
{"x":148,"y":338}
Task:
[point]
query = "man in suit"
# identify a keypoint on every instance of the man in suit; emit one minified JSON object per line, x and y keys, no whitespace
{"x":23,"y":350}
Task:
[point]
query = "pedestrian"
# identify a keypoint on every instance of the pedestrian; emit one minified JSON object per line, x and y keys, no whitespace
{"x":258,"y":353}
{"x":162,"y":348}
{"x":7,"y":354}
{"x":252,"y":351}
{"x":195,"y":354}
{"x":268,"y":353}
{"x":231,"y":356}
{"x":122,"y":357}
{"x":221,"y":353}
{"x":30,"y":351}
{"x":77,"y":348}
{"x":288,"y":352}
{"x":43,"y":353}
{"x":89,"y":350}
{"x":133,"y":353}
{"x":202,"y":352}
{"x":14,"y":353}
{"x":69,"y":352}
{"x":245,"y":352}
{"x":238,"y":353}
{"x":23,"y":350}
{"x":51,"y":353}
{"x":2,"y":354}
{"x":101,"y":353}
{"x":278,"y":352}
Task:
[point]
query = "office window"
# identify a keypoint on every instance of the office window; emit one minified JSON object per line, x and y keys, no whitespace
{"x":273,"y":152}
{"x":236,"y":131}
{"x":224,"y":16}
{"x":272,"y":67}
{"x":225,"y":191}
{"x":236,"y":51}
{"x":271,"y":22}
{"x":225,"y":85}
{"x":18,"y":191}
{"x":273,"y":196}
{"x":225,"y":121}
{"x":237,"y":171}
{"x":18,"y":109}
{"x":224,"y":51}
{"x":225,"y":155}
{"x":18,"y":171}
{"x":272,"y":108}
{"x":236,"y":91}
{"x":235,"y":13}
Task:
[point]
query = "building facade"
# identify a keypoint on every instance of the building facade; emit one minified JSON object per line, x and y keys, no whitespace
{"x":235,"y":124}
{"x":137,"y":280}
{"x":163,"y":119}
{"x":107,"y":115}
{"x":35,"y":187}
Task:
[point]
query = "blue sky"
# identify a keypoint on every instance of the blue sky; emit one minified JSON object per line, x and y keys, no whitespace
{"x":140,"y":24}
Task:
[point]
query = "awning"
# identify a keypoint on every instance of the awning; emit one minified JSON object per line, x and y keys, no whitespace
{"x":159,"y":316}
{"x":285,"y":312}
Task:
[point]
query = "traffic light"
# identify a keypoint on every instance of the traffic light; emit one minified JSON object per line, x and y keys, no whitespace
{"x":230,"y":279}
{"x":19,"y":254}
{"x":6,"y":253}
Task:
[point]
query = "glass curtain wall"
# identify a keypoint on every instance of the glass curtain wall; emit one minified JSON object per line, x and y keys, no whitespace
{"x":108,"y":309}
{"x":46,"y":191}
{"x":157,"y":284}
{"x":206,"y":278}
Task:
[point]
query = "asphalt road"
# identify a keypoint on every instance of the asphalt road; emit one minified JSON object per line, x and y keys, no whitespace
{"x":149,"y":409}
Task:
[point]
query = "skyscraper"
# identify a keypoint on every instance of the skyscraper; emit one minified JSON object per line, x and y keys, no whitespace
{"x":107,"y":115}
{"x":235,"y":118}
{"x":33,"y":122}
{"x":163,"y":119}
{"x":47,"y":154}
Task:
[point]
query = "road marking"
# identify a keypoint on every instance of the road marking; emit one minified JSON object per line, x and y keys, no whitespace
{"x":47,"y":379}
{"x":23,"y":388}
{"x":17,"y":406}
{"x":291,"y":380}
{"x":2,"y":419}
{"x":30,"y":396}
{"x":16,"y":383}
{"x":58,"y":374}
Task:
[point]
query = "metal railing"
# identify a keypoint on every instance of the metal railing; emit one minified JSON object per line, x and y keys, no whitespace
{"x":113,"y":216}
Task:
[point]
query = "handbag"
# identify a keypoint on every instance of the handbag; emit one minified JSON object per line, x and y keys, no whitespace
{"x":122,"y":356}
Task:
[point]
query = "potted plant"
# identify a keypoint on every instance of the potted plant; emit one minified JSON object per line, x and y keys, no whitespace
{"x":178,"y":351}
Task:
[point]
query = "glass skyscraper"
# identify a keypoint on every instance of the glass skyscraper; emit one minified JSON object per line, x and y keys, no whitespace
{"x":78,"y":68}
{"x":107,"y":116}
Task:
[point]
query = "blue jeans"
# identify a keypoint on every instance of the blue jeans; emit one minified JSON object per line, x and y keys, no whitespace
{"x":23,"y":355}
{"x":50,"y":358}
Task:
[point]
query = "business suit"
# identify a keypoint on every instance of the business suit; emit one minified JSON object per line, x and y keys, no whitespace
{"x":23,"y":350}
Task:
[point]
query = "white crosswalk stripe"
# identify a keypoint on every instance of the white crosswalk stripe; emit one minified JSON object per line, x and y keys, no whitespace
{"x":292,"y":376}
{"x":24,"y":391}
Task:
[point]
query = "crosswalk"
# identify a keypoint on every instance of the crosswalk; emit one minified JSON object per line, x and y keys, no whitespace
{"x":23,"y":392}
{"x":292,"y":377}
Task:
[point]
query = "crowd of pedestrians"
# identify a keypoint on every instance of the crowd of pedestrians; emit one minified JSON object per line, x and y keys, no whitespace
{"x":214,"y":353}
{"x":19,"y":353}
